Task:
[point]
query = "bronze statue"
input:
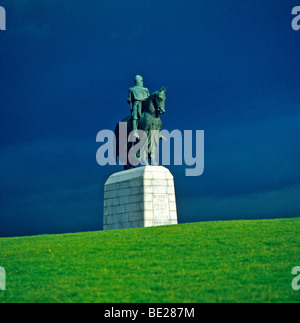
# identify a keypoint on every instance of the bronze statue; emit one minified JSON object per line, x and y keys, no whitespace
{"x":137,"y":95}
{"x":145,"y":119}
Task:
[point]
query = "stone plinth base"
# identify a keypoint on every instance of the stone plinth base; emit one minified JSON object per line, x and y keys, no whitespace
{"x":141,"y":197}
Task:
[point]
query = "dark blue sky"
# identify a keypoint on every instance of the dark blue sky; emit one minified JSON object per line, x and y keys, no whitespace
{"x":231,"y":67}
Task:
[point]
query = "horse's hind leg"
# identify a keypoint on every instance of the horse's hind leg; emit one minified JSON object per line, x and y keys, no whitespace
{"x":129,"y":165}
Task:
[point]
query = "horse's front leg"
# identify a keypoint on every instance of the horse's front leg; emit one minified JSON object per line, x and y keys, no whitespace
{"x":144,"y":156}
{"x":154,"y":148}
{"x":153,"y":162}
{"x":153,"y":156}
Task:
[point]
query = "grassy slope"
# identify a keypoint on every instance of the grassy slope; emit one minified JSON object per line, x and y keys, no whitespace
{"x":240,"y":261}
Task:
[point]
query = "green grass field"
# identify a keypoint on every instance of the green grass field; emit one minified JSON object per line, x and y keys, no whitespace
{"x":239,"y":261}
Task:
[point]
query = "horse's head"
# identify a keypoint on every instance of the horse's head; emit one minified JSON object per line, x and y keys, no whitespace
{"x":159,"y":101}
{"x":155,"y":104}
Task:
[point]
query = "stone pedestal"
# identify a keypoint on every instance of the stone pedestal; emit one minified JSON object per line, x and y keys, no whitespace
{"x":141,"y":197}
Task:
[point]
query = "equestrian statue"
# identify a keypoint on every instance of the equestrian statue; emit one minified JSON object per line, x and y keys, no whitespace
{"x":143,"y":127}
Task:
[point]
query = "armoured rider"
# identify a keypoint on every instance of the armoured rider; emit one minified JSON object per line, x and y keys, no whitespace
{"x":137,"y":95}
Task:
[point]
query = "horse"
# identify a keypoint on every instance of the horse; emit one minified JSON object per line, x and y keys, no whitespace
{"x":149,"y":129}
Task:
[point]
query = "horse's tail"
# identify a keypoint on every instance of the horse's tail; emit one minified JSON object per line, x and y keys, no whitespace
{"x":116,"y":143}
{"x":121,"y":151}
